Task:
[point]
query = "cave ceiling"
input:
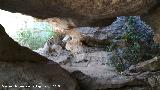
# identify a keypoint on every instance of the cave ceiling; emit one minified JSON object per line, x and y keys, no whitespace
{"x":82,"y":12}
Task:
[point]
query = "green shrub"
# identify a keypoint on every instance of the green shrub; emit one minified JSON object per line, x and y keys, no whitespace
{"x":35,"y":38}
{"x":135,"y":49}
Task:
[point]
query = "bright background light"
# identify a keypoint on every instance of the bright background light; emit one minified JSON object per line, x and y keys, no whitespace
{"x":12,"y":22}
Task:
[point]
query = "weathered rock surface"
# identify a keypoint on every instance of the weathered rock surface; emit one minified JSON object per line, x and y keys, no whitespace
{"x":83,"y":13}
{"x":153,"y":19}
{"x":34,"y":76}
{"x":86,"y":53}
{"x":100,"y":37}
{"x":132,"y":81}
{"x":149,"y":65}
{"x":116,"y":82}
{"x":86,"y":12}
{"x":62,"y":57}
{"x":152,"y":78}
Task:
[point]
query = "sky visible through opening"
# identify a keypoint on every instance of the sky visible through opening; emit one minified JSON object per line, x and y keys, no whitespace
{"x":26,"y":30}
{"x":12,"y":22}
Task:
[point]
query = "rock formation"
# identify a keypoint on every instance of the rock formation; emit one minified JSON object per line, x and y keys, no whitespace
{"x":149,"y":65}
{"x":87,"y":12}
{"x":85,"y":48}
{"x":86,"y":57}
{"x":84,"y":12}
{"x":153,"y":19}
{"x":24,"y":76}
{"x":22,"y":67}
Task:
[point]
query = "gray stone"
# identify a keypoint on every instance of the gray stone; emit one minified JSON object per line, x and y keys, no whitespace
{"x":34,"y":76}
{"x":149,"y":65}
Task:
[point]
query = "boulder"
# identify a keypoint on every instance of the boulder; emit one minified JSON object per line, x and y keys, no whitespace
{"x":73,"y":41}
{"x":101,"y":37}
{"x":149,"y":65}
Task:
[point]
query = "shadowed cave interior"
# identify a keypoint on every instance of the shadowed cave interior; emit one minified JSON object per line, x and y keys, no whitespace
{"x":80,"y":45}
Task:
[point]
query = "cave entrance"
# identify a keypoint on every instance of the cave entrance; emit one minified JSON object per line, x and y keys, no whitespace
{"x":127,"y":41}
{"x":26,"y":30}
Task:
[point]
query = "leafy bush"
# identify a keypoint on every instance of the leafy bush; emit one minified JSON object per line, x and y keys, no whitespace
{"x":139,"y":45}
{"x":35,"y":37}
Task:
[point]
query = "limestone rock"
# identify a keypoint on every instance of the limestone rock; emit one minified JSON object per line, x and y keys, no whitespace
{"x":73,"y":41}
{"x":152,"y":78}
{"x":92,"y":36}
{"x":100,"y":57}
{"x":63,"y":57}
{"x":101,"y":37}
{"x":117,"y":82}
{"x":54,"y":44}
{"x":153,"y":19}
{"x":150,"y":65}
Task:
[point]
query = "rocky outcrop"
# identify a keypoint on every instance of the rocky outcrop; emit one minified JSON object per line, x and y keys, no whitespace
{"x":147,"y":77}
{"x":85,"y":56}
{"x":83,"y":13}
{"x":86,"y":12}
{"x":153,"y":19}
{"x":61,"y":57}
{"x":34,"y":76}
{"x":101,"y":37}
{"x":151,"y":78}
{"x":20,"y":68}
{"x":116,"y":82}
{"x":149,"y":65}
{"x":17,"y":67}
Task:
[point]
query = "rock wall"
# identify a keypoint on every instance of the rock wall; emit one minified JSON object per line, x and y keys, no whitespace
{"x":22,"y":65}
{"x":86,"y":57}
{"x":35,"y":77}
{"x":153,"y":19}
{"x":87,"y":12}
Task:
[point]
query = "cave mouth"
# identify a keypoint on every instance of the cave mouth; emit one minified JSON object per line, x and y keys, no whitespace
{"x":102,"y":53}
{"x":26,"y":30}
{"x":128,"y":37}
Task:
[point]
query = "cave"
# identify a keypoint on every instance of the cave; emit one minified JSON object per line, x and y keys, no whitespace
{"x":80,"y":45}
